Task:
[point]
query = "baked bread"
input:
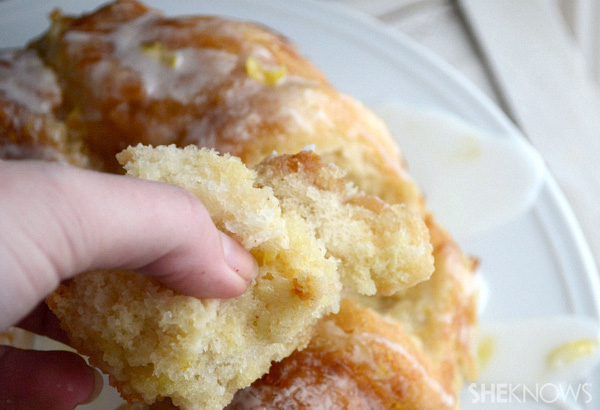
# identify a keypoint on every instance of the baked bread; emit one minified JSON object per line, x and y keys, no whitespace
{"x":441,"y":313}
{"x":415,"y":354}
{"x":156,"y":344}
{"x":376,"y":253}
{"x":29,"y":98}
{"x":355,"y":360}
{"x":253,"y":94}
{"x":131,"y":75}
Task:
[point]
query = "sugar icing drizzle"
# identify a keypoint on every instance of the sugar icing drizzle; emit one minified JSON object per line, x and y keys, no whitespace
{"x":25,"y":80}
{"x":165,"y":73}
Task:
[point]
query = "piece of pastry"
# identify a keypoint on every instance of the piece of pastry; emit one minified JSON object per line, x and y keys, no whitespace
{"x":355,"y":360}
{"x":130,"y":75}
{"x":415,"y":358}
{"x":29,"y":98}
{"x":376,"y":254}
{"x":156,"y":344}
{"x":127,"y":74}
{"x":415,"y":354}
{"x":440,"y":313}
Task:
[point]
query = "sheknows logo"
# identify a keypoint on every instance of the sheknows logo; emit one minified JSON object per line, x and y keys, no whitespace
{"x":520,"y":393}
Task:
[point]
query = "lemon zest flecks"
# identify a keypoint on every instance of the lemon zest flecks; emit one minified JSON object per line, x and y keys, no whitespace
{"x":161,"y":54}
{"x":469,"y":149}
{"x":569,"y":352}
{"x":262,"y":74}
{"x":485,"y":350}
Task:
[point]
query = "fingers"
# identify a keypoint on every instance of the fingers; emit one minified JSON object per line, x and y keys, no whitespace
{"x":32,"y":380}
{"x":57,"y":221}
{"x":45,"y":380}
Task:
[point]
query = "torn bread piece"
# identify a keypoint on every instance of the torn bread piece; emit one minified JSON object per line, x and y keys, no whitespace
{"x":381,"y":248}
{"x":157,"y":344}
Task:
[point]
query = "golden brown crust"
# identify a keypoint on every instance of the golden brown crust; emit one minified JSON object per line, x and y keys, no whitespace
{"x":29,"y":99}
{"x":356,"y":360}
{"x":111,"y":102}
{"x":120,"y":91}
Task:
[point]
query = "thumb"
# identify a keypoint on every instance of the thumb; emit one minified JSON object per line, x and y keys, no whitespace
{"x":58,"y":220}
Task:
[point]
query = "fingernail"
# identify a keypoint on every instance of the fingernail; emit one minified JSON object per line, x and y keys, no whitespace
{"x":239,"y":259}
{"x":98,"y":386}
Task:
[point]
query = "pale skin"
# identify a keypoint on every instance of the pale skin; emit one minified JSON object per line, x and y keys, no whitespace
{"x":57,"y":221}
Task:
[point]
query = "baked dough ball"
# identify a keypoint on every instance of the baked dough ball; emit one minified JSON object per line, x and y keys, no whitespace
{"x":414,"y":354}
{"x":130,"y":75}
{"x":126,"y":74}
{"x":440,"y":314}
{"x":29,"y":96}
{"x":355,"y":360}
{"x":380,"y":248}
{"x":156,"y":344}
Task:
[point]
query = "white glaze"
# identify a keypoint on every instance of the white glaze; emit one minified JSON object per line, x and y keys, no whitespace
{"x":25,"y":81}
{"x":473,"y":182}
{"x":181,"y":82}
{"x":519,"y":350}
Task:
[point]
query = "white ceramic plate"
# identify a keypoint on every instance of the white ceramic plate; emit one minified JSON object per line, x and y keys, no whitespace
{"x":536,"y":265}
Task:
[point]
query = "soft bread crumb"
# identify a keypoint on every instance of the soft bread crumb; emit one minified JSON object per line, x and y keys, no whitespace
{"x":380,"y":248}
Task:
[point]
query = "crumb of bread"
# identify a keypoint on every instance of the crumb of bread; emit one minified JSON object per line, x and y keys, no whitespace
{"x":381,"y":248}
{"x":155,"y":343}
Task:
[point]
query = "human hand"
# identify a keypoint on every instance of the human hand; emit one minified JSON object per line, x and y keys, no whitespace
{"x":57,"y":221}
